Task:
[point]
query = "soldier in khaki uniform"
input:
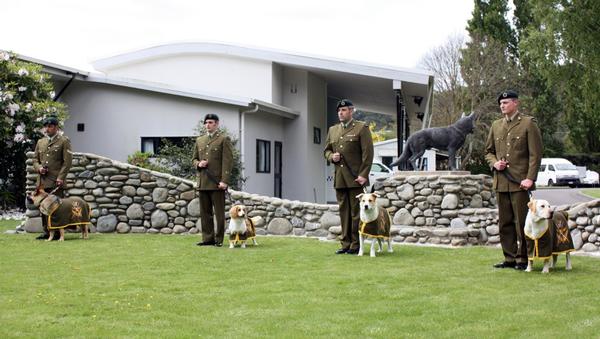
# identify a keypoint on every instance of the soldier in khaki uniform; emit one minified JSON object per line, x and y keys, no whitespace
{"x":514,"y":151}
{"x":52,"y":161}
{"x":350,"y":147}
{"x":213,"y":157}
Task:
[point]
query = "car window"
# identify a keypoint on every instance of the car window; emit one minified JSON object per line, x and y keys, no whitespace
{"x":542,"y":168}
{"x":378,"y":168}
{"x":550,"y":168}
{"x":565,"y":167}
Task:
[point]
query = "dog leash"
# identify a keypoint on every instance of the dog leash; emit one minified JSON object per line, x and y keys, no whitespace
{"x":213,"y":178}
{"x":510,"y":178}
{"x":344,"y":163}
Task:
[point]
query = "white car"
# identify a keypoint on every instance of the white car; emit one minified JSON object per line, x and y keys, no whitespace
{"x":591,"y":178}
{"x":379,"y":170}
{"x":557,"y":171}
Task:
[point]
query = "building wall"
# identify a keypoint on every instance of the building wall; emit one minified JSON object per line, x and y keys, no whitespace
{"x":277,"y":83}
{"x":265,"y":127}
{"x":306,"y":93}
{"x":116,"y":118}
{"x":317,"y":117}
{"x":207,"y":73}
{"x":296,"y":135}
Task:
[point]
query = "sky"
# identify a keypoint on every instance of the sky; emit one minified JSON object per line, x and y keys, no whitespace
{"x":387,"y":32}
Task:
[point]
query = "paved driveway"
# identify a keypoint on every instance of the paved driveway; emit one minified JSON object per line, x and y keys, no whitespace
{"x":561,"y":196}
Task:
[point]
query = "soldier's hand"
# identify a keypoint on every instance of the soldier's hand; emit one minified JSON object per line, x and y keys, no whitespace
{"x":500,"y":165}
{"x":336,"y":157}
{"x":203,"y":164}
{"x":222,"y":185}
{"x":59,"y":182}
{"x":526,"y":184}
{"x":361,"y":180}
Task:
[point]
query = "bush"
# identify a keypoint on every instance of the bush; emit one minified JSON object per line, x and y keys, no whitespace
{"x":26,"y":98}
{"x":177,"y":159}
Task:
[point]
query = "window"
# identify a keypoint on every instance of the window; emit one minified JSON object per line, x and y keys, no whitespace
{"x":263,"y":156}
{"x":551,"y":168}
{"x":152,"y":145}
{"x":542,"y":168}
{"x":316,"y":135}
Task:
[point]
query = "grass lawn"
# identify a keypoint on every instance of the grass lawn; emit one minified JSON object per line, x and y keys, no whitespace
{"x":165,"y":286}
{"x":592,"y":192}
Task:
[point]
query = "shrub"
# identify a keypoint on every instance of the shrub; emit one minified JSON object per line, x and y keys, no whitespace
{"x":26,"y":98}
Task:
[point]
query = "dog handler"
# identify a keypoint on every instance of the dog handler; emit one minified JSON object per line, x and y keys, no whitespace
{"x":350,"y":147}
{"x":52,"y":161}
{"x":213,"y":158}
{"x":514,"y":152}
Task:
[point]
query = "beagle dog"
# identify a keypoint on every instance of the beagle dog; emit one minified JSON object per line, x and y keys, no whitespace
{"x":241,"y":227}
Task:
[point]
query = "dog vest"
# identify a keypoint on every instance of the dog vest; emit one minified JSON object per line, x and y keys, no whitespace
{"x":378,"y":228}
{"x":70,"y":212}
{"x":237,"y":238}
{"x":556,"y":239}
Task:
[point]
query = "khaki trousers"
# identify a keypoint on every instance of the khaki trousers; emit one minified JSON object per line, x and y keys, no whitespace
{"x":212,"y":201}
{"x":512,"y":211}
{"x":349,"y":215}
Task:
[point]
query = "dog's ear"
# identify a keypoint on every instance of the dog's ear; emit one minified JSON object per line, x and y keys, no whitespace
{"x":360,"y":195}
{"x":232,"y":210}
{"x":532,"y":205}
{"x":376,"y":194}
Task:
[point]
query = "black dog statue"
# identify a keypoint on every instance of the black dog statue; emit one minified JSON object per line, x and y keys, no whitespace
{"x":449,"y":138}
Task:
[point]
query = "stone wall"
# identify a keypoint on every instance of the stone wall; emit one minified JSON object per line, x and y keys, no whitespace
{"x":442,"y":208}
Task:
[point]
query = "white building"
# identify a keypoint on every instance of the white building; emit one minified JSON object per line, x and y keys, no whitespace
{"x":279,"y":104}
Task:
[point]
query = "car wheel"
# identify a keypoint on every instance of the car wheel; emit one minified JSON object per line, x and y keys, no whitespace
{"x":550,"y":182}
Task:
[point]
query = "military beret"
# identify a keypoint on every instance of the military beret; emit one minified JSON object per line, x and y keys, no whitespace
{"x":51,"y":120}
{"x":344,"y":103}
{"x":508,"y":94}
{"x":211,"y":116}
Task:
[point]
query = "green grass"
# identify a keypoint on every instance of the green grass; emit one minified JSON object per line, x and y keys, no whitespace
{"x":8,"y":224}
{"x":592,"y":192}
{"x":165,"y":286}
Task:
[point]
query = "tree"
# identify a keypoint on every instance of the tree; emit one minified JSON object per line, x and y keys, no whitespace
{"x":559,"y":52}
{"x":449,"y":89}
{"x":26,"y":98}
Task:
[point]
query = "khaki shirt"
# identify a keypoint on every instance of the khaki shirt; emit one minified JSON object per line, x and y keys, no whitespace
{"x":355,"y":145}
{"x":56,"y":155}
{"x":519,"y":142}
{"x":218,"y":151}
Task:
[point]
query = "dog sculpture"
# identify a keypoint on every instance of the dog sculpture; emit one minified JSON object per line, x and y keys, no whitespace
{"x":375,"y":223}
{"x":449,"y":138}
{"x":547,"y":235}
{"x":62,"y":213}
{"x":241,"y":227}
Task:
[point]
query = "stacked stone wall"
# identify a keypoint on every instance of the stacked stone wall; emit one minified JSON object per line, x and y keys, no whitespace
{"x":432,"y":208}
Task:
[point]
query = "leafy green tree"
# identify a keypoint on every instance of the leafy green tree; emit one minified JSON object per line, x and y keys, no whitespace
{"x":559,"y":52}
{"x":26,"y":98}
